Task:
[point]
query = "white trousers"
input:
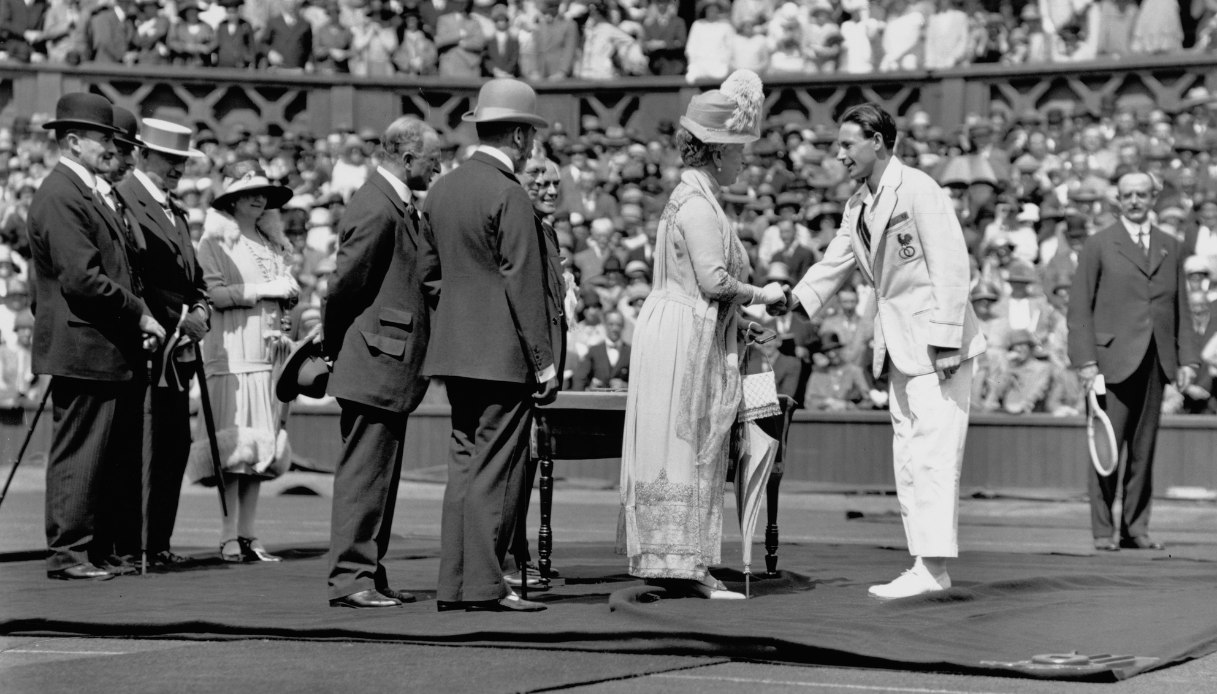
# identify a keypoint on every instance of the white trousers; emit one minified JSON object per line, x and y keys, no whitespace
{"x":930,"y":422}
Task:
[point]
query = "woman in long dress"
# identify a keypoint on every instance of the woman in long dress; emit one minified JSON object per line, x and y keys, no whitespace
{"x":245,"y":260}
{"x":684,"y":370}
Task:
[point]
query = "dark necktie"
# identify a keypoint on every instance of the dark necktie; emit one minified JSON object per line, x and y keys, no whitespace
{"x":863,"y":229}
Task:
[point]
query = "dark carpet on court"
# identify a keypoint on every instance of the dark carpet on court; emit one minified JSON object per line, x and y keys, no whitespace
{"x":1121,"y":614}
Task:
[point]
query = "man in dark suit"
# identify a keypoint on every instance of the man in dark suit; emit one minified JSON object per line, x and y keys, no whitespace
{"x":288,"y":38}
{"x":502,"y":57}
{"x":172,"y":281}
{"x":89,"y":333}
{"x":490,"y":342}
{"x":1129,"y":323}
{"x":376,"y":328}
{"x":607,"y":364}
{"x":110,"y":33}
{"x":555,"y":42}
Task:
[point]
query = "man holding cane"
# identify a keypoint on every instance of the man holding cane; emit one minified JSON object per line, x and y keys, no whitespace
{"x":90,"y":329}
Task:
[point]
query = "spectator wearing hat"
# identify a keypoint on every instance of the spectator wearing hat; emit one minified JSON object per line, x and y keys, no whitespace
{"x":607,"y":363}
{"x":350,"y":171}
{"x":1024,"y":307}
{"x":245,"y":258}
{"x":460,"y":40}
{"x":708,"y":47}
{"x":502,"y":57}
{"x":288,"y":39}
{"x":191,"y":41}
{"x":602,"y":245}
{"x":170,"y":278}
{"x":376,"y":330}
{"x":786,"y":232}
{"x":489,"y":341}
{"x":150,"y":39}
{"x":110,"y":34}
{"x":1062,"y":257}
{"x":89,"y":333}
{"x":1029,"y":384}
{"x":235,"y":38}
{"x":416,"y":55}
{"x":555,"y":40}
{"x":840,"y":385}
{"x":663,"y":38}
{"x":1127,"y":322}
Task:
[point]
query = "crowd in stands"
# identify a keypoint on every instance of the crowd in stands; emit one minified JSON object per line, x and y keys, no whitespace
{"x":597,"y":39}
{"x":1029,"y":188}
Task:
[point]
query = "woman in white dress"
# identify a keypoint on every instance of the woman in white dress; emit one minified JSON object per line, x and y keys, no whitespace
{"x":246,"y":264}
{"x":685,"y":378}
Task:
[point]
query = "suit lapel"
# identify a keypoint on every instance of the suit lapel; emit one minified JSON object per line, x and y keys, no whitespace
{"x":885,"y":204}
{"x":854,"y":220}
{"x":411,"y":225}
{"x":1126,"y":248}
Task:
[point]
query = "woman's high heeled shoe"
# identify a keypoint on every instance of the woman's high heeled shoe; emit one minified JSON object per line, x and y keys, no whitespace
{"x":252,"y":550}
{"x":235,"y":555}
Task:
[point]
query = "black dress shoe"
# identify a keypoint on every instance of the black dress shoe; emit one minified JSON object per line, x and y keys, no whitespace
{"x":511,"y":603}
{"x":450,"y":606}
{"x":365,"y":598}
{"x":168,"y":560}
{"x":1141,"y":542}
{"x":1104,"y":544}
{"x":398,"y":595}
{"x":81,"y":572}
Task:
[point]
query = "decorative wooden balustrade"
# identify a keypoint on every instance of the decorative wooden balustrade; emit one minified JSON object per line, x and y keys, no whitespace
{"x":222,"y":99}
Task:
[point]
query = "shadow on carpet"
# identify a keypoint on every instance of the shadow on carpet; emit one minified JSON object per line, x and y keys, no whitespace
{"x":1047,"y":616}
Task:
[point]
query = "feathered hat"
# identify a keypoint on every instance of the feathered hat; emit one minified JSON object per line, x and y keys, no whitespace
{"x":730,"y":114}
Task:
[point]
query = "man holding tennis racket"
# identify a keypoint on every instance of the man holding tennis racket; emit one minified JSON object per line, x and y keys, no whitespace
{"x":1130,"y":332}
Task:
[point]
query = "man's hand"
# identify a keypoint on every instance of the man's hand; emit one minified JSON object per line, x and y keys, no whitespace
{"x":149,"y":326}
{"x":946,"y":362}
{"x":194,"y":324}
{"x":547,"y":392}
{"x":1185,"y":377}
{"x":802,"y":353}
{"x":1088,"y":373}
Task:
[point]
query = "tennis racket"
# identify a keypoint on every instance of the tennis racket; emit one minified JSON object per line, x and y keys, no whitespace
{"x":1101,"y":438}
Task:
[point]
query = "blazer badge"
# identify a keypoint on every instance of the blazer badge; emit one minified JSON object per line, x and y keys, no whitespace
{"x":906,"y":246}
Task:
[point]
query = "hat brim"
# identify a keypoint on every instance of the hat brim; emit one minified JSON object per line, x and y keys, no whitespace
{"x":719,"y":137}
{"x":83,"y":124}
{"x":191,"y":153}
{"x":287,"y":387}
{"x":505,"y":116}
{"x":276,"y":196}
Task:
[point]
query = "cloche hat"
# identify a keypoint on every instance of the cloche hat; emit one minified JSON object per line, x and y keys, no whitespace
{"x":730,"y":114}
{"x":506,"y":100}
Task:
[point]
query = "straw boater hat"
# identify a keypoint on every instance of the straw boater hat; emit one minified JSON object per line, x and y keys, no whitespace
{"x":253,"y":180}
{"x":168,"y":138}
{"x":506,"y":100}
{"x":730,"y":114}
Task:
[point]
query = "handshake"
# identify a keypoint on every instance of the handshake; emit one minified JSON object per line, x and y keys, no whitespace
{"x":777,"y":298}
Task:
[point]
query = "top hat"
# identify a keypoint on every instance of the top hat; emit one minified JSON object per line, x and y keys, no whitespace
{"x":83,"y":110}
{"x":253,"y":180}
{"x":305,"y":372}
{"x":506,"y":100}
{"x":730,"y":114}
{"x":168,"y":138}
{"x":128,"y":125}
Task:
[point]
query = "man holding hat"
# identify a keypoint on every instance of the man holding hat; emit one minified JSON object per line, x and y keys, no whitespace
{"x":172,"y":281}
{"x":490,"y":342}
{"x":90,"y":332}
{"x":375,"y":329}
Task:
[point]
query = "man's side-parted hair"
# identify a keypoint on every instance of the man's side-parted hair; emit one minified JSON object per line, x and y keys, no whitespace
{"x":872,"y":119}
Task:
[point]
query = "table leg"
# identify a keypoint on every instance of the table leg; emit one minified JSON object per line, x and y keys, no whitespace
{"x":771,"y":530}
{"x":545,"y":468}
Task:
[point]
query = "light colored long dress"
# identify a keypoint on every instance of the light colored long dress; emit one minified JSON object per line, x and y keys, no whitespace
{"x":684,"y":390}
{"x":1158,"y":28}
{"x":241,"y":350}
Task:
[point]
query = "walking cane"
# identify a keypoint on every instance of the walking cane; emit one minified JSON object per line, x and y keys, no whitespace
{"x":28,"y":435}
{"x":210,"y":424}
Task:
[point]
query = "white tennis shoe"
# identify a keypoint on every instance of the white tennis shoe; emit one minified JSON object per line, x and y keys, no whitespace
{"x":916,"y":581}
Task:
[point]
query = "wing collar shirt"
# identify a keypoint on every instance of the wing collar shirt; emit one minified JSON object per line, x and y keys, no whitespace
{"x":1136,"y":230}
{"x":81,"y":172}
{"x":550,"y":371}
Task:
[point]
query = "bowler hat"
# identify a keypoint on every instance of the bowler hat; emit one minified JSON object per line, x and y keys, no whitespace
{"x":128,"y":125}
{"x":168,"y":138}
{"x":305,"y":372}
{"x":83,"y":110}
{"x":506,"y":100}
